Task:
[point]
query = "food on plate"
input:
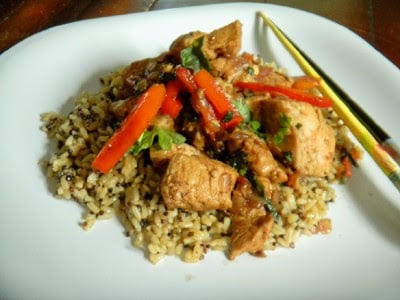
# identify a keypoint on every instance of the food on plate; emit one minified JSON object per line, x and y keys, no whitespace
{"x":201,"y":148}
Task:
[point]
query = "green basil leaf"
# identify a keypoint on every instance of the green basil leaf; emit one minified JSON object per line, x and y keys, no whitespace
{"x":193,"y":57}
{"x":167,"y":137}
{"x":243,"y":110}
{"x":164,"y":136}
{"x":145,"y":141}
{"x":178,"y":138}
{"x":197,"y":50}
{"x":164,"y":140}
{"x":268,"y":205}
{"x":189,"y":59}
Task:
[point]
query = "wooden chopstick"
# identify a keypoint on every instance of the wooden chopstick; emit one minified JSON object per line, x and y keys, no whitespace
{"x":371,"y":136}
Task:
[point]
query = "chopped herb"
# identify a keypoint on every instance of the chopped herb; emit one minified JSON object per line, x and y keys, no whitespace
{"x":284,"y":122}
{"x":228,"y":116}
{"x":279,"y":136}
{"x":248,"y":123}
{"x":238,"y":161}
{"x":243,"y":110}
{"x":268,"y":205}
{"x":250,"y":71}
{"x":193,"y":57}
{"x":164,"y":136}
{"x":298,"y":125}
{"x":168,"y":137}
{"x":287,"y":157}
{"x":189,"y":60}
{"x":255,"y":125}
{"x":145,"y":141}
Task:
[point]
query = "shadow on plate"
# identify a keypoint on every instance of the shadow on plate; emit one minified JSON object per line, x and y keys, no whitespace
{"x":262,"y":43}
{"x":264,"y":40}
{"x":372,"y":201}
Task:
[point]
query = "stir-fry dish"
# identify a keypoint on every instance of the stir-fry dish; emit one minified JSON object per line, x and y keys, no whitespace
{"x":201,"y":148}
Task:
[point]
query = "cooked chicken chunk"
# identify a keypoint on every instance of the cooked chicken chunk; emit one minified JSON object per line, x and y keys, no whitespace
{"x":251,"y":224}
{"x":309,"y":139}
{"x":141,"y":74}
{"x":269,"y":75}
{"x":163,"y":121}
{"x":162,"y":157}
{"x":121,"y":108}
{"x":225,"y":41}
{"x":259,"y":156}
{"x":194,"y":131}
{"x":197,"y":183}
{"x":230,"y":68}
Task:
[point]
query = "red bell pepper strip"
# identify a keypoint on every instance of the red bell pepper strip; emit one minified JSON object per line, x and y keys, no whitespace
{"x":292,"y":93}
{"x":172,"y":104}
{"x":200,"y":105}
{"x":186,"y":78}
{"x":224,"y":109}
{"x":132,"y":127}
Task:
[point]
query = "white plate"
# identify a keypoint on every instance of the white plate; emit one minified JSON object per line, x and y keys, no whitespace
{"x":44,"y":254}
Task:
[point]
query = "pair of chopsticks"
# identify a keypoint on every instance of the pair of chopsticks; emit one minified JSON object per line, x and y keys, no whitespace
{"x":371,"y":136}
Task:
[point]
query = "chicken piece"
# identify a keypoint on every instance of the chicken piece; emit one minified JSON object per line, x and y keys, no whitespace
{"x":268,"y":75}
{"x":194,"y":131}
{"x":229,"y":68}
{"x":197,"y":183}
{"x":251,"y":224}
{"x":161,"y":158}
{"x":261,"y":161}
{"x":142,"y":74}
{"x":137,"y":67}
{"x":163,"y":121}
{"x":309,"y":139}
{"x":121,"y":108}
{"x":247,"y":69}
{"x":225,"y":41}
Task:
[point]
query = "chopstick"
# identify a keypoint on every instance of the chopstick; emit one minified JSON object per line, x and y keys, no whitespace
{"x":376,"y":141}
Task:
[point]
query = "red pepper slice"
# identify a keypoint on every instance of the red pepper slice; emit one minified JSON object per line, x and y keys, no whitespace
{"x":292,"y":93}
{"x":200,"y":105}
{"x":172,"y":104}
{"x":224,"y":109}
{"x":186,"y":78}
{"x":132,"y":127}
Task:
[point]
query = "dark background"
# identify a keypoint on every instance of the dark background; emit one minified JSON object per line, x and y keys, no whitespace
{"x":377,"y":21}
